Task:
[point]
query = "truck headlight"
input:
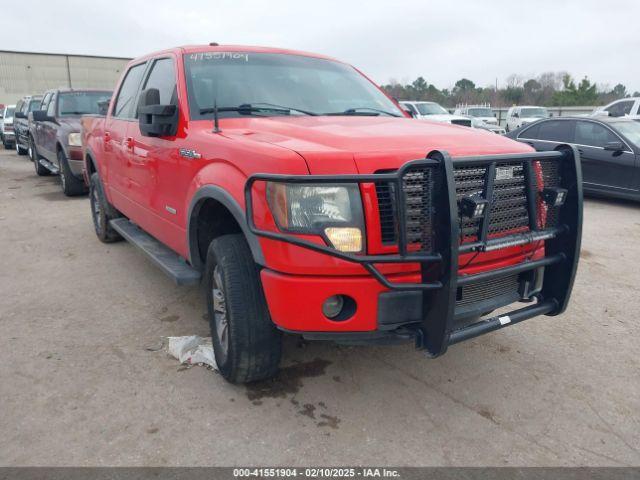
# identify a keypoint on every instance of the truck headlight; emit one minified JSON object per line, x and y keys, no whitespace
{"x":332,"y":211}
{"x":74,"y":140}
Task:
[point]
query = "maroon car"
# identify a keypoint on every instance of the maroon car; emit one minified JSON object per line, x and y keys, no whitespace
{"x":54,"y":134}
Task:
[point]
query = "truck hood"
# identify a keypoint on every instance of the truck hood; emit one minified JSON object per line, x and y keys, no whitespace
{"x":334,"y":145}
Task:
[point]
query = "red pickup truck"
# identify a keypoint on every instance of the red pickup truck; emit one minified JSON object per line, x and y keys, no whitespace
{"x":307,"y":201}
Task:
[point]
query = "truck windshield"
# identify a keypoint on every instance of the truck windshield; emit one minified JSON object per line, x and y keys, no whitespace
{"x":80,"y":103}
{"x":430,"y":109}
{"x":534,"y":112}
{"x":297,"y":84}
{"x":8,"y":113}
{"x":480,"y":112}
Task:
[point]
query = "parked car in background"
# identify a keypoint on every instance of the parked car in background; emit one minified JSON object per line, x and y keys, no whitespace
{"x":519,"y":116}
{"x":433,"y":111}
{"x":481,"y":117}
{"x":24,"y":107}
{"x":609,"y":150}
{"x":289,"y":182}
{"x":479,"y":112}
{"x":54,"y":134}
{"x":7,"y":133}
{"x":625,"y":107}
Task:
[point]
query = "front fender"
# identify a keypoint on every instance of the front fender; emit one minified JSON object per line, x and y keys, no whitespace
{"x":219,"y":194}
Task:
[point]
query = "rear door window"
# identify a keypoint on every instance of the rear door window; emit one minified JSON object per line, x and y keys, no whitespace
{"x":125,"y":103}
{"x":532,"y":132}
{"x":555,"y":131}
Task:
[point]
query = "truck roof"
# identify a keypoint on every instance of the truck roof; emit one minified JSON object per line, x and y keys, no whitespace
{"x":186,"y":49}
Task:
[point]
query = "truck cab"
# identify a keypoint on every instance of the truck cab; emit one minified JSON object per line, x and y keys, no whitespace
{"x":307,"y":202}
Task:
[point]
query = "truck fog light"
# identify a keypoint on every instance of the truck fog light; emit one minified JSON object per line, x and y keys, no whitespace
{"x":345,"y":239}
{"x":332,"y":306}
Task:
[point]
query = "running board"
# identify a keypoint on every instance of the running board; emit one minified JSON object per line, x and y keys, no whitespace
{"x":49,"y":166}
{"x":165,"y":258}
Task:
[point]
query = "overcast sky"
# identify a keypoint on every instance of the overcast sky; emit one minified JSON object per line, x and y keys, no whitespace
{"x":441,"y":40}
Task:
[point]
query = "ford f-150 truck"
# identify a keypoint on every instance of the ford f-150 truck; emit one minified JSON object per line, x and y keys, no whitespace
{"x":307,"y":201}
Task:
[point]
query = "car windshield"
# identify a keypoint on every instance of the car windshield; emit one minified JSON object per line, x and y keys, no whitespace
{"x":480,"y":112}
{"x":34,"y":104}
{"x":631,"y":130}
{"x":430,"y":109}
{"x":8,"y":113}
{"x":296,"y":84}
{"x":534,"y":112}
{"x":81,"y":103}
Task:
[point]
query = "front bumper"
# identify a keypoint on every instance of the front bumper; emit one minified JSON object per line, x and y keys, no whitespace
{"x":427,"y":306}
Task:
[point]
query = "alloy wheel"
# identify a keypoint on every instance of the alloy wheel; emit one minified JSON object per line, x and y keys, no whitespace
{"x":220,"y":310}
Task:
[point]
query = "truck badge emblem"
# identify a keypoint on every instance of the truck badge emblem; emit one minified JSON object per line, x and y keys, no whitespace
{"x":504,"y":173}
{"x":187,"y":153}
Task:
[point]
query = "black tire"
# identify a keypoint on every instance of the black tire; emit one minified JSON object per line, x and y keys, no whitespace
{"x":71,"y":186}
{"x":102,"y":212}
{"x":35,"y":157}
{"x":20,"y":150}
{"x":6,"y":145}
{"x":254,"y":344}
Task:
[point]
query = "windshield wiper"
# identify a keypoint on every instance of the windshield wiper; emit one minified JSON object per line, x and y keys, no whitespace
{"x":281,"y":107}
{"x":255,"y":107}
{"x":369,"y":111}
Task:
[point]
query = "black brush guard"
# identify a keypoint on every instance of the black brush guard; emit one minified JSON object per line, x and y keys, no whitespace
{"x":436,"y":331}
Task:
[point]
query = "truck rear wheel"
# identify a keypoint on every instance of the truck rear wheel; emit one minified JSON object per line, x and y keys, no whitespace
{"x":71,"y":186}
{"x":102,"y":212}
{"x":246,"y":343}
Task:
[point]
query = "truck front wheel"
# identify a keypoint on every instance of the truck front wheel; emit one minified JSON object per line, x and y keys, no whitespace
{"x":102,"y":212}
{"x":246,"y":344}
{"x":71,"y":186}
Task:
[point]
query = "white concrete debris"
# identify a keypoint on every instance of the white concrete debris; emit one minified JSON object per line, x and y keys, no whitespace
{"x":192,"y":350}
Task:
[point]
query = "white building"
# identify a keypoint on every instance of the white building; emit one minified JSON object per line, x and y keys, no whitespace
{"x":29,"y":73}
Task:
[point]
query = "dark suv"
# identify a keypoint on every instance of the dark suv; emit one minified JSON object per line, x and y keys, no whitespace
{"x":24,"y":107}
{"x":54,"y":134}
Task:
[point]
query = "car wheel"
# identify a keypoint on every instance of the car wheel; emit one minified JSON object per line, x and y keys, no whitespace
{"x":246,"y":344}
{"x":102,"y":212}
{"x":70,"y":184}
{"x":41,"y":170}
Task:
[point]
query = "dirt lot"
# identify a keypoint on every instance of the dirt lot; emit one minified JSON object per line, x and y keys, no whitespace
{"x":79,"y":387}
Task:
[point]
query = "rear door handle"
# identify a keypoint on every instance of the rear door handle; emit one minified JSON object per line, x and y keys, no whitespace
{"x":107,"y":137}
{"x":128,"y":142}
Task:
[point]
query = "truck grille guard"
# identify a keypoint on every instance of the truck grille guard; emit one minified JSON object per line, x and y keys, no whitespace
{"x":433,"y":239}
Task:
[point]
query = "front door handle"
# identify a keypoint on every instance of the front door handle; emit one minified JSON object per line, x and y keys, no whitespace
{"x":128,"y":143}
{"x":107,"y":137}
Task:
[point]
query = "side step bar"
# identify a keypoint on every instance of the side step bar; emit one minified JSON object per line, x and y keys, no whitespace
{"x":165,"y":258}
{"x":49,"y":166}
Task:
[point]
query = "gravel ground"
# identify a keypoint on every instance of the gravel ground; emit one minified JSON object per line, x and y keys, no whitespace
{"x":79,"y":386}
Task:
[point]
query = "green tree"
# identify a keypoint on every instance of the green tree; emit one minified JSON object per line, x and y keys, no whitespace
{"x":619,"y":91}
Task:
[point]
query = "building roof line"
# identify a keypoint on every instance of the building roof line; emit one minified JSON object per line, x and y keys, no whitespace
{"x":19,"y":52}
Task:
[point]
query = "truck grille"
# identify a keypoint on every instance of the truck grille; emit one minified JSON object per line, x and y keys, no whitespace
{"x":508,"y":206}
{"x":463,"y":122}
